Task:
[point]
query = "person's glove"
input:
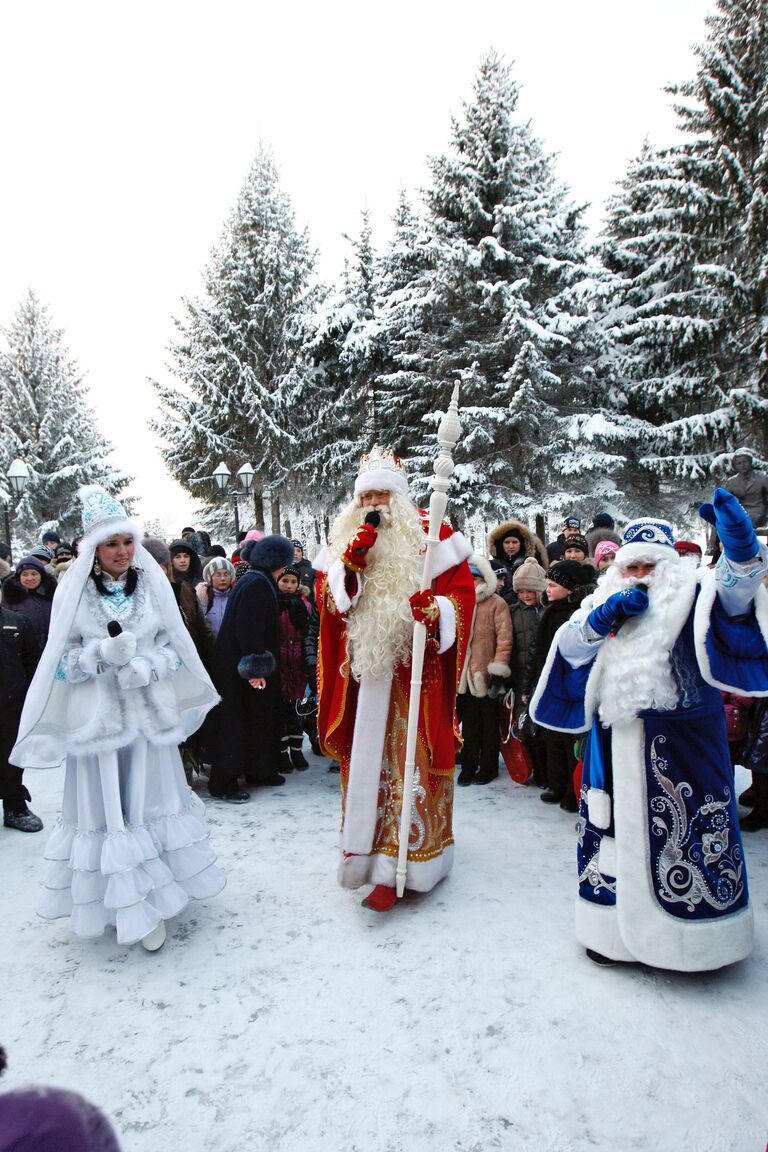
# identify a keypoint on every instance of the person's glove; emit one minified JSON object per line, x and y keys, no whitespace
{"x":425,"y":609}
{"x":628,"y":602}
{"x":136,"y":674}
{"x":356,"y":554}
{"x":118,"y":650}
{"x":732,"y":525}
{"x":496,"y":687}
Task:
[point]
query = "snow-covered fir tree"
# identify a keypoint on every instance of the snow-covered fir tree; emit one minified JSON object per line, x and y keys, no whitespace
{"x":496,"y":301}
{"x":46,"y":420}
{"x":686,"y":238}
{"x":238,"y":359}
{"x":345,"y":348}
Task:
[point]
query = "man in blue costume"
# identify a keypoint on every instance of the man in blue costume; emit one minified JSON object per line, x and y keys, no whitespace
{"x":639,"y":666}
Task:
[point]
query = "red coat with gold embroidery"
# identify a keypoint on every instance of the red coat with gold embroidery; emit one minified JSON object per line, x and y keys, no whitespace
{"x":438,"y":730}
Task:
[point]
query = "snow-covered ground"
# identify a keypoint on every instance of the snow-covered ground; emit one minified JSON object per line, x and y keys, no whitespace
{"x":282,"y":1016}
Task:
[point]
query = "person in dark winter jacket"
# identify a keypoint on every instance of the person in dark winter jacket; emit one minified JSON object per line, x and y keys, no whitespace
{"x":6,"y":562}
{"x":30,"y":592}
{"x":754,"y":757}
{"x":306,"y":572}
{"x":213,"y":593}
{"x":246,"y":673}
{"x":571,"y":527}
{"x":19,"y":654}
{"x":510,"y":543}
{"x":568,"y":582}
{"x":201,"y":542}
{"x":530,"y":583}
{"x":186,"y":562}
{"x":294,"y":620}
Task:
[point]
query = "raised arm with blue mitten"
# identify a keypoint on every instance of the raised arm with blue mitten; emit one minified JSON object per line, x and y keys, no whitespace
{"x":628,"y":602}
{"x":732,"y":525}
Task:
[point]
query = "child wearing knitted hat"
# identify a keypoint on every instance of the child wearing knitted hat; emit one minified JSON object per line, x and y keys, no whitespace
{"x":605,"y":554}
{"x":568,"y":582}
{"x":529,"y":583}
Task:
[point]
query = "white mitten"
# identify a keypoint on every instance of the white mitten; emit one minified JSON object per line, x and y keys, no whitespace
{"x":119,"y":649}
{"x":137,"y":674}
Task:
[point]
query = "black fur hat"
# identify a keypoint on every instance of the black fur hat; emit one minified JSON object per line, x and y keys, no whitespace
{"x":269,"y":553}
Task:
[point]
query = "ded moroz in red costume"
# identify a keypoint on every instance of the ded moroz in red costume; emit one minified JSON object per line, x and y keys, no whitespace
{"x":368,"y":597}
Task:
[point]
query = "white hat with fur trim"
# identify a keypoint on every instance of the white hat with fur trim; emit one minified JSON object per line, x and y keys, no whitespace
{"x":646,"y":540}
{"x":381,"y":470}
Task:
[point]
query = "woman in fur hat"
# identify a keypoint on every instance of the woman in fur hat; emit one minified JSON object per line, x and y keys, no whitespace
{"x":246,"y":673}
{"x":511,"y":542}
{"x":485,"y":669}
{"x":118,"y":687}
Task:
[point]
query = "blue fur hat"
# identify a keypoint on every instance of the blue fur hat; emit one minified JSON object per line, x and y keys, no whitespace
{"x":269,"y":553}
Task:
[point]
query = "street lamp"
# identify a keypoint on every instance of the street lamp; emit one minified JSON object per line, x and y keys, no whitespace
{"x":222,"y":476}
{"x":17,"y":474}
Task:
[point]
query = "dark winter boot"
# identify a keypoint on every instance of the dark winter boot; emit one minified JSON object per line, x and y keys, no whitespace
{"x":22,"y":820}
{"x":298,"y":760}
{"x":382,"y":899}
{"x":465,"y":777}
{"x":747,"y":798}
{"x":758,"y":817}
{"x":285,"y":757}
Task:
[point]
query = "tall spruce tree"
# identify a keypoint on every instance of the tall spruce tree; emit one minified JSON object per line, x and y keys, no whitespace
{"x":47,"y":421}
{"x":345,"y":348}
{"x":239,"y":356}
{"x":496,"y":303}
{"x":685,"y":241}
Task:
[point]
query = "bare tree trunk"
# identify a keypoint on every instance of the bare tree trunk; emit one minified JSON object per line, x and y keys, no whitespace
{"x":258,"y":509}
{"x":287,"y":528}
{"x":276,"y":513}
{"x":540,"y":527}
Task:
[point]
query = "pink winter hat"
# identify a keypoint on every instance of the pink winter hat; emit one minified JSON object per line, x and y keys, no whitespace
{"x":605,"y":548}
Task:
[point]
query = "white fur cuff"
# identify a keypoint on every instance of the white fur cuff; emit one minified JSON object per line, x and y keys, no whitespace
{"x":496,"y":668}
{"x":606,"y":857}
{"x":599,"y":808}
{"x":90,"y":658}
{"x":447,"y":623}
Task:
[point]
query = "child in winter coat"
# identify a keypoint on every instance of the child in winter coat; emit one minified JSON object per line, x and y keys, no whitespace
{"x":568,"y":582}
{"x":486,"y":667}
{"x":529,"y":582}
{"x":294,"y":619}
{"x":213,"y":593}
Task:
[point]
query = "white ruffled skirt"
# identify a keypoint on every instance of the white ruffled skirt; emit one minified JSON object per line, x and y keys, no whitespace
{"x":131,"y":845}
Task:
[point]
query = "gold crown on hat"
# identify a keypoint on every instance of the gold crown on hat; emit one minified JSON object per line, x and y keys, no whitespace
{"x":380,"y":458}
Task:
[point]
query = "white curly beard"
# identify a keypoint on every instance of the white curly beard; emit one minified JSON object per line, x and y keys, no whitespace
{"x":636,"y":670}
{"x":380,"y":626}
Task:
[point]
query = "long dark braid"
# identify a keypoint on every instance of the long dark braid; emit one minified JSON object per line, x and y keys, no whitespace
{"x":131,"y":581}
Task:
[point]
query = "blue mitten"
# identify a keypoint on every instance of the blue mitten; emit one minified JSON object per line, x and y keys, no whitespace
{"x":732,"y":525}
{"x":628,"y":602}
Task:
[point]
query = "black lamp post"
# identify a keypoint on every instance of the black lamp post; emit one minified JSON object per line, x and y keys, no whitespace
{"x":18,"y":475}
{"x":222,"y":476}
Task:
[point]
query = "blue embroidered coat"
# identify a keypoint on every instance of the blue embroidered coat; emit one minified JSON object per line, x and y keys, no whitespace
{"x":662,"y":876}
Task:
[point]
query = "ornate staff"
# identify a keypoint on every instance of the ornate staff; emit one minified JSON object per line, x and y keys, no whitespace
{"x":447,"y":436}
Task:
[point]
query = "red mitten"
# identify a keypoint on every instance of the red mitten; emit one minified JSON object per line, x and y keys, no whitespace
{"x":425,"y":609}
{"x":358,"y":548}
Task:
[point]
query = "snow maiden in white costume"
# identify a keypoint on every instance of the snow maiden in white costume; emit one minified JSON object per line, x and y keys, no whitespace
{"x":662,"y":877}
{"x":131,"y":846}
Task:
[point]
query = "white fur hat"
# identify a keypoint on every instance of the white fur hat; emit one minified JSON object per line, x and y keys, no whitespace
{"x":381,"y":471}
{"x":646,"y":540}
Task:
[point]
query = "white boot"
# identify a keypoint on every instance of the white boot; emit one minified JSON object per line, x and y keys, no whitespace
{"x":154,"y":939}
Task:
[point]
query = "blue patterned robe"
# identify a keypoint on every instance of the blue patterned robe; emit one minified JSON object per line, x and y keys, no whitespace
{"x":662,"y":877}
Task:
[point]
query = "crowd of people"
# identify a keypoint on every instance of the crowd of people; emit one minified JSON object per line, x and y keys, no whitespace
{"x":151,"y":666}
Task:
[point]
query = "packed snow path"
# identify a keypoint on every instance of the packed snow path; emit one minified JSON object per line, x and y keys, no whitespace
{"x":281,"y":1016}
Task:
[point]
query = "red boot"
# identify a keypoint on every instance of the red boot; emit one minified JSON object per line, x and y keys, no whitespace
{"x":382,"y":899}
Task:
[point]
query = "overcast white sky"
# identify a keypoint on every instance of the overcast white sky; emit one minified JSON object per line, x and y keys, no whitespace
{"x":127,"y":130}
